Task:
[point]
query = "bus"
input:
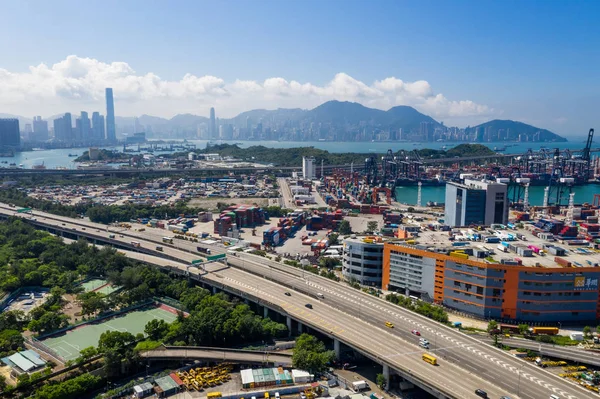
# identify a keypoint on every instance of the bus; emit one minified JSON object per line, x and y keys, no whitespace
{"x":430,"y":359}
{"x":168,"y":240}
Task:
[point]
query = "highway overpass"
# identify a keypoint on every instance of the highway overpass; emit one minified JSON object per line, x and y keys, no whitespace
{"x":571,"y":353}
{"x":348,"y":316}
{"x":218,"y":354}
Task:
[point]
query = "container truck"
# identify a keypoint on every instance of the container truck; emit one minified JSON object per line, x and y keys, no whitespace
{"x":544,"y":330}
{"x":203,"y":250}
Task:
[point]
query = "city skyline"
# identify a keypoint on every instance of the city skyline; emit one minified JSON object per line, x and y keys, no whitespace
{"x":470,"y":63}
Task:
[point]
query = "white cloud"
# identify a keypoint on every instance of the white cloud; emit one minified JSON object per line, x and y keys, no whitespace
{"x":78,"y":84}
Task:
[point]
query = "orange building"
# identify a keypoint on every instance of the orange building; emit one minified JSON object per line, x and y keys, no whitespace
{"x":493,"y":290}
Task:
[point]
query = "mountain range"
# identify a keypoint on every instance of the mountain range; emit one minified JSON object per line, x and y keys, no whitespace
{"x":345,"y":117}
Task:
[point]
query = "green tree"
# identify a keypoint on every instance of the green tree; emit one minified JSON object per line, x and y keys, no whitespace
{"x":69,"y":389}
{"x":372,"y":226}
{"x":116,"y":348}
{"x":523,"y":329}
{"x":48,"y":322}
{"x":193,"y":297}
{"x":86,"y":353}
{"x":156,"y":329}
{"x":328,"y":263}
{"x":2,"y":382}
{"x":310,"y":354}
{"x":492,"y":326}
{"x":380,"y":380}
{"x":345,"y":228}
{"x":114,"y":340}
{"x":10,"y":340}
{"x":587,"y":331}
{"x":332,"y":239}
{"x":598,"y":330}
{"x":92,"y":302}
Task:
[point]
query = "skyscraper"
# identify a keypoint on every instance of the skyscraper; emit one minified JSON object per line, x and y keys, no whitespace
{"x":83,"y":127}
{"x":9,"y":133}
{"x":97,"y":127}
{"x":63,"y":130}
{"x":40,"y":129}
{"x":68,"y":127}
{"x":111,"y":134}
{"x":213,"y":124}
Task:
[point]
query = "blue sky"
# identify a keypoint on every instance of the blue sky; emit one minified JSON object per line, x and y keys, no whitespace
{"x":535,"y":61}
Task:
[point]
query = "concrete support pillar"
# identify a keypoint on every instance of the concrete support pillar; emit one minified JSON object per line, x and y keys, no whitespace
{"x":289,"y":324}
{"x":336,"y":348}
{"x":299,"y":328}
{"x":386,"y":374}
{"x":265,"y":312}
{"x":214,"y":290}
{"x":246,"y":301}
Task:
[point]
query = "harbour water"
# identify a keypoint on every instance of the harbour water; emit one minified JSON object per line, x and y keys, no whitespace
{"x":409,"y":194}
{"x":60,"y":157}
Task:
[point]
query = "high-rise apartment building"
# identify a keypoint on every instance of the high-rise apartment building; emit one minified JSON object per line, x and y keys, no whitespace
{"x":482,"y":202}
{"x":9,"y":133}
{"x":212,"y":129}
{"x":40,"y":129}
{"x":97,"y":127}
{"x":111,"y":132}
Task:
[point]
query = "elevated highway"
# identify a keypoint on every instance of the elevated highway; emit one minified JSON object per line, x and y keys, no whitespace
{"x":217,"y":354}
{"x":573,"y":354}
{"x":348,"y":316}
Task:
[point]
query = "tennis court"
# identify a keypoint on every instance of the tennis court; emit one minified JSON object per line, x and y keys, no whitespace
{"x":100,"y":286}
{"x":93,"y":284}
{"x":70,"y":343}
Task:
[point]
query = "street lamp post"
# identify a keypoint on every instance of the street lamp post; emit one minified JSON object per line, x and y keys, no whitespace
{"x":519,"y":381}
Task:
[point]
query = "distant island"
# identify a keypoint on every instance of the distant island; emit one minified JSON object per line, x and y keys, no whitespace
{"x":103,"y":155}
{"x":293,"y":156}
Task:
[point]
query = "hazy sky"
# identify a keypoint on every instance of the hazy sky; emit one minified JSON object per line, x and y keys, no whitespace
{"x":462,"y":62}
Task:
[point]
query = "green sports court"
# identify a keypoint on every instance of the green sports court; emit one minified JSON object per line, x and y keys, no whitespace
{"x":99,"y":285}
{"x":68,"y":344}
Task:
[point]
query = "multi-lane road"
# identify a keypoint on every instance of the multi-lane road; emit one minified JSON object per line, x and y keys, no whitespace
{"x":348,"y":315}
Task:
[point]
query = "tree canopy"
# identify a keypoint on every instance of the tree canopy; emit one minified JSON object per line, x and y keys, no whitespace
{"x":310,"y":354}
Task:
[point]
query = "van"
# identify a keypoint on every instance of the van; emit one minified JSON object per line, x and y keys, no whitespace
{"x":424,"y":344}
{"x":320,"y":296}
{"x":266,"y":395}
{"x":277,"y":395}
